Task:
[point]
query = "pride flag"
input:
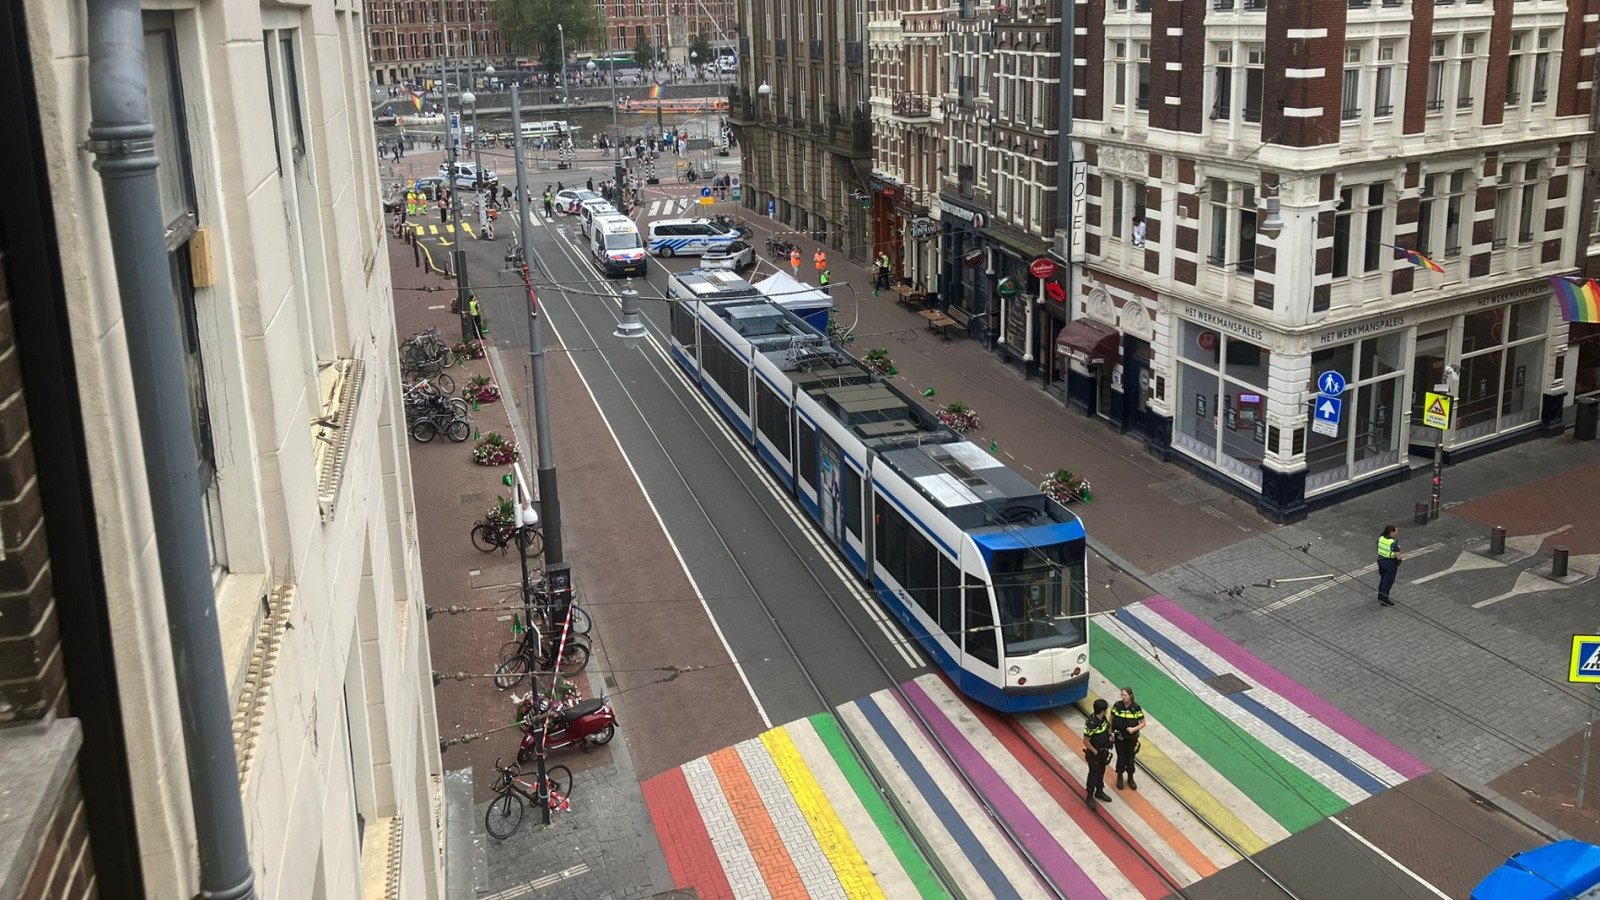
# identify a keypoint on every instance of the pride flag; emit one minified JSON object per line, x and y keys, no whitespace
{"x":416,"y":100}
{"x":1580,"y":300}
{"x":655,"y":92}
{"x":1417,"y":259}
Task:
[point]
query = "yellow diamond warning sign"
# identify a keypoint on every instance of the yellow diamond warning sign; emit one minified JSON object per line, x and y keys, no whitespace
{"x":1436,"y":411}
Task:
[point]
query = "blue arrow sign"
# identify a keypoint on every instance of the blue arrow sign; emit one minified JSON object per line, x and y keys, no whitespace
{"x":1328,"y":409}
{"x":1330,"y":383}
{"x":705,"y":192}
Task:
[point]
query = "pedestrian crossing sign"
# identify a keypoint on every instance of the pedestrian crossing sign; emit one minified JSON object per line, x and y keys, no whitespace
{"x":1436,"y":410}
{"x":1585,"y":666}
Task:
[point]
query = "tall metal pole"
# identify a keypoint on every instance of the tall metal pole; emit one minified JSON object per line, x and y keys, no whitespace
{"x":458,"y":254}
{"x":121,"y":137}
{"x":549,"y":504}
{"x":566,"y":89}
{"x":616,"y":131}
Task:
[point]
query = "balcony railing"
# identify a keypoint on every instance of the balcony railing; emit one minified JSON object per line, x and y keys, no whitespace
{"x":817,"y":49}
{"x":780,"y":48}
{"x":852,"y":53}
{"x":912,"y":105}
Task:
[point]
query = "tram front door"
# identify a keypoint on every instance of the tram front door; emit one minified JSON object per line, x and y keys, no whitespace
{"x":830,"y":496}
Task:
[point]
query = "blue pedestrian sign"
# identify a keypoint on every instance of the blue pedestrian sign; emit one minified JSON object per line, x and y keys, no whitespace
{"x":1325,"y":416}
{"x":1330,"y":383}
{"x":1585,"y":665}
{"x":772,"y":207}
{"x":705,"y":192}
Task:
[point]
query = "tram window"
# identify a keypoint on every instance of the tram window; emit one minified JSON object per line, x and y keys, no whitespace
{"x":891,"y":540}
{"x":852,"y":501}
{"x":807,"y":457}
{"x":949,"y":596}
{"x":728,"y":371}
{"x":979,"y":626}
{"x":922,"y":572}
{"x":772,"y":417}
{"x":683,"y":322}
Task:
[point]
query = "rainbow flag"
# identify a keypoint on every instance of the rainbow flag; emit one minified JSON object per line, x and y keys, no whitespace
{"x":1580,"y":298}
{"x":655,"y":92}
{"x":1417,"y":259}
{"x":416,"y":100}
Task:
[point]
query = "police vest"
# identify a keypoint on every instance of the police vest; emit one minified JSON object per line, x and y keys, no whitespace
{"x":1126,"y":717}
{"x":1097,"y":732}
{"x":1386,"y":547}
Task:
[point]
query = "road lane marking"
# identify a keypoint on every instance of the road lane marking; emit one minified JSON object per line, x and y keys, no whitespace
{"x":1391,"y":860}
{"x":1338,"y":580}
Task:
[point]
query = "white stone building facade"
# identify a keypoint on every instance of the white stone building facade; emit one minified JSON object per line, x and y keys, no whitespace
{"x":275,"y":238}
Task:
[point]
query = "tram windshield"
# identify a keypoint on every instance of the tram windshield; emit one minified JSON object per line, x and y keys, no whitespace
{"x":1041,"y":595}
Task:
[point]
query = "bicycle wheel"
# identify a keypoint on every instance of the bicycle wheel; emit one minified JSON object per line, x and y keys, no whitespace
{"x":447,"y":358}
{"x":458,"y":430}
{"x":559,"y":778}
{"x":574,"y":658}
{"x":459,"y":407}
{"x":483,"y":537}
{"x":531,"y":541}
{"x":513,"y":668}
{"x":445,"y":384}
{"x":423,"y":430}
{"x":581,"y":623}
{"x":504,"y":815}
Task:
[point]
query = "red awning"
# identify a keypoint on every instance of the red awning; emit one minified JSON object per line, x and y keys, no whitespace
{"x":1088,"y":342}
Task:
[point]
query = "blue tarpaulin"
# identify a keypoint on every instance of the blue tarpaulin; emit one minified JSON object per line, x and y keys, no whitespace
{"x":1558,"y":871}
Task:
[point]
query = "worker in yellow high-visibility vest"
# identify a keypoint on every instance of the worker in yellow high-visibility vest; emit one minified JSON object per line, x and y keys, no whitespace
{"x":1389,"y":557}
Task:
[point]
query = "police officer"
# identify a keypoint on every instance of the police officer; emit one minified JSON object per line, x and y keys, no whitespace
{"x":1097,"y":751}
{"x":475,"y":312}
{"x":1389,"y":557}
{"x":1127,"y":720}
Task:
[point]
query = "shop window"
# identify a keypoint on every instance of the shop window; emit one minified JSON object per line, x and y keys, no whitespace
{"x":1367,"y":437}
{"x":1502,"y":369}
{"x":1222,"y":401}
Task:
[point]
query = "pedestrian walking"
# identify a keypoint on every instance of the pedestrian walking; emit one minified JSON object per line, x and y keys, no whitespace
{"x":824,"y":277}
{"x":820,"y":260}
{"x":794,"y":262}
{"x":590,"y":185}
{"x":1097,"y":752}
{"x":444,"y":210}
{"x":1127,"y":720}
{"x":1389,"y":557}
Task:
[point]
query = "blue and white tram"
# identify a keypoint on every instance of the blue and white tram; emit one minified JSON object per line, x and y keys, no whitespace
{"x":986,"y":572}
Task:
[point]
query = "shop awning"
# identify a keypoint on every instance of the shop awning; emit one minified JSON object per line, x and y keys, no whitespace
{"x":1089,"y":343}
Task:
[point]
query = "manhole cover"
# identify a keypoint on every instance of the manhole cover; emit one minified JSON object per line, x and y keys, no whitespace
{"x":684,"y":894}
{"x":472,"y":498}
{"x":1228,"y":683}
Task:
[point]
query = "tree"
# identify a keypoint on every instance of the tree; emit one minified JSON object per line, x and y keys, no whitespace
{"x":700,"y":49}
{"x":530,"y":28}
{"x":644,"y":53}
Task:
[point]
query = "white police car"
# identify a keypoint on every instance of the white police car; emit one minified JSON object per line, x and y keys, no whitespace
{"x":688,"y":237}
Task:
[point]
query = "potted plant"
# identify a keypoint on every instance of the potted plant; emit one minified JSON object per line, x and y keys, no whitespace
{"x":495,"y":450}
{"x":482,"y":389}
{"x":877,"y":360}
{"x":469,"y":350}
{"x":959,"y":417}
{"x":502,"y":512}
{"x":1064,"y":487}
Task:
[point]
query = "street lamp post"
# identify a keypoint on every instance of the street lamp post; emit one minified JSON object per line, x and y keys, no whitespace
{"x":616,"y":132}
{"x":565,"y":93}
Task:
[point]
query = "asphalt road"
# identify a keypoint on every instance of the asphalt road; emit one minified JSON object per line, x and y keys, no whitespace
{"x":777,"y":595}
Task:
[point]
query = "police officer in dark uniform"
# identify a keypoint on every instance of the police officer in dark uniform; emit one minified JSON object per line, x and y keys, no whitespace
{"x":1127,"y":720}
{"x":1389,"y":557}
{"x":1097,"y":751}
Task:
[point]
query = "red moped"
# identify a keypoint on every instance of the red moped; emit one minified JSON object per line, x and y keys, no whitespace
{"x":589,"y":722}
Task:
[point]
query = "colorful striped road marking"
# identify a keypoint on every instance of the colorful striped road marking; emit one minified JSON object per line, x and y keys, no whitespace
{"x":1248,"y":664}
{"x":815,"y":873}
{"x":913,"y":868}
{"x":927,"y":782}
{"x":1308,"y":731}
{"x":854,"y":876}
{"x":1342,"y":777}
{"x":722,"y":826}
{"x":777,"y":869}
{"x":691,"y":859}
{"x":1050,"y":857}
{"x":1289,"y":795}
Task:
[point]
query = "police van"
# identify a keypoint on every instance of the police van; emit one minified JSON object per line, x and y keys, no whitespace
{"x":688,"y":237}
{"x":614,"y":243}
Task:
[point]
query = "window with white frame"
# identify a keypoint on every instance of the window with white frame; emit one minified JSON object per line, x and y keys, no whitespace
{"x":1516,"y":200}
{"x":1359,"y":238}
{"x":1439,"y":213}
{"x":1541,"y":64}
{"x":1437,"y":61}
{"x":1222,"y":82}
{"x":1350,"y":105}
{"x":1232,"y":225}
{"x":1119,"y":74}
{"x":1514,"y":63}
{"x":1144,"y":75}
{"x":1383,"y":80}
{"x":1238,"y":81}
{"x":1467,"y":74}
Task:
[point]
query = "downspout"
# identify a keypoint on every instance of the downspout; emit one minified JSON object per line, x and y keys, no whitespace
{"x":1064,"y":197}
{"x":122,"y":140}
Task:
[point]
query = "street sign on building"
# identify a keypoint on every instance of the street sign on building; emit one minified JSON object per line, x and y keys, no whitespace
{"x":1325,"y":416}
{"x":1585,"y":663}
{"x":1331,"y":383}
{"x":1435,"y":410}
{"x":1043,"y":267}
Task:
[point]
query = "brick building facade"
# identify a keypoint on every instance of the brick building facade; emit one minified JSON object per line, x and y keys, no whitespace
{"x":406,"y":40}
{"x":907,"y":62}
{"x":1256,"y":170}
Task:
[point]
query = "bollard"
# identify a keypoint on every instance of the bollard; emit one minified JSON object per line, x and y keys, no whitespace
{"x":1420,"y":514}
{"x":1497,"y":540}
{"x":1558,"y":562}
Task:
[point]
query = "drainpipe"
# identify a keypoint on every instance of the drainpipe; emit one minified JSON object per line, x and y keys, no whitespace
{"x":1065,"y":184}
{"x":122,"y":140}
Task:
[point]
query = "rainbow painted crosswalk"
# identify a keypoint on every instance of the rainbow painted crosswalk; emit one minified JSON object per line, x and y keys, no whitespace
{"x":1233,"y":765}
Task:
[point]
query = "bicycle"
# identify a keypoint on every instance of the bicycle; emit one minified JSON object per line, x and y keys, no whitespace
{"x":504,"y":815}
{"x":523,"y":660}
{"x":492,"y":533}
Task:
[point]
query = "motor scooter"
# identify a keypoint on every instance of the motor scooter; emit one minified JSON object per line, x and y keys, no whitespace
{"x":590,"y":722}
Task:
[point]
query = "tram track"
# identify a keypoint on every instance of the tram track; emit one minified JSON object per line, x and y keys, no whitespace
{"x":674,"y":376}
